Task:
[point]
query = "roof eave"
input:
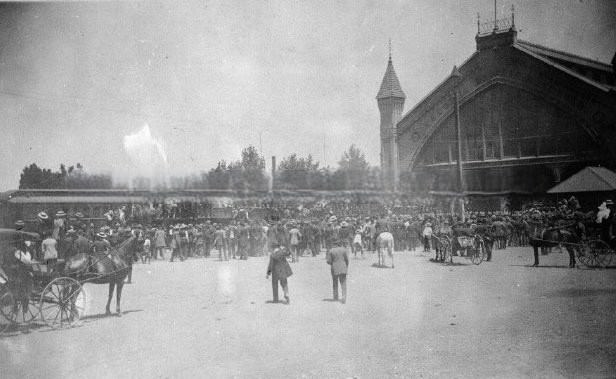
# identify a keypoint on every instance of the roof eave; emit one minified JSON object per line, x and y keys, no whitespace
{"x":602,"y":87}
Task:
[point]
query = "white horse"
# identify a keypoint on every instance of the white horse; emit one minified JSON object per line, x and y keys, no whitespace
{"x":385,"y":241}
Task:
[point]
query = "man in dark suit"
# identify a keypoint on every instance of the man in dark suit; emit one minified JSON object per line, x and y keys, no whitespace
{"x":280,"y":270}
{"x":338,"y":259}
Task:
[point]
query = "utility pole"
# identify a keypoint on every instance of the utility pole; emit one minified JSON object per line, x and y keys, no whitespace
{"x":459,"y":141}
{"x":460,"y":182}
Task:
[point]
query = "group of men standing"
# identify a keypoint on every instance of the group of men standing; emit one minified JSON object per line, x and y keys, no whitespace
{"x":280,"y":270}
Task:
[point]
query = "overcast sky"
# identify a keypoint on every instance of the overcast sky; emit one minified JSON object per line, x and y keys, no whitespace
{"x":211,"y":77}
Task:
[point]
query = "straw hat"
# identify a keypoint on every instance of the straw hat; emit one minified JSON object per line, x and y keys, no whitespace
{"x":60,"y":213}
{"x":42,"y":216}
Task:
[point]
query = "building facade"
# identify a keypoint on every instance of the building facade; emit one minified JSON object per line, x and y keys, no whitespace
{"x":528,"y":117}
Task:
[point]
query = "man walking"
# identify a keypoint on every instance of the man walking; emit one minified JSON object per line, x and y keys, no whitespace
{"x":294,"y":238}
{"x":280,"y":270}
{"x":220,"y":243}
{"x":338,"y":259}
{"x":159,"y":243}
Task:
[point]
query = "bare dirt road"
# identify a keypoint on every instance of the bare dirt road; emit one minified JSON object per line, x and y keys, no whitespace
{"x":204,"y":318}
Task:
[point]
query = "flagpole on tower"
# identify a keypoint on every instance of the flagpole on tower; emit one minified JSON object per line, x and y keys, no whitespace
{"x":495,"y":24}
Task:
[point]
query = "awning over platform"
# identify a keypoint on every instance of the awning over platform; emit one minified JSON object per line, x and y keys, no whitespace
{"x":590,"y":179}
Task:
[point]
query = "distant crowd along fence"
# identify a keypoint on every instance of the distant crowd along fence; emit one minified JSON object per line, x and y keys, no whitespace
{"x":200,"y":204}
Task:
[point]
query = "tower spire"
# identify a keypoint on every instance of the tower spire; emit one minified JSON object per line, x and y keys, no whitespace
{"x":390,"y":86}
{"x":390,"y":49}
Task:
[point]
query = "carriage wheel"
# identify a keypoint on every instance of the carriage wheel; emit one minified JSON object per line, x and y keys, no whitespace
{"x":62,"y":302}
{"x":477,"y":254}
{"x":601,"y":252}
{"x":583,"y":257}
{"x":7,"y":303}
{"x":17,"y":310}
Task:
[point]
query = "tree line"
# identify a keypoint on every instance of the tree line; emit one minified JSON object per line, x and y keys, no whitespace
{"x":247,"y":173}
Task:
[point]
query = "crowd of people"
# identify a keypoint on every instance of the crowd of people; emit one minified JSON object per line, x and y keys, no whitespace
{"x":300,"y":233}
{"x":285,"y":239}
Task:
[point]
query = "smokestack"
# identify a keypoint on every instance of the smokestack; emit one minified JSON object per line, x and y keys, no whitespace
{"x":273,"y":171}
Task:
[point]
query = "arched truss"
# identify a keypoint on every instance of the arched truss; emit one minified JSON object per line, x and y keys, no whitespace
{"x":584,"y":119}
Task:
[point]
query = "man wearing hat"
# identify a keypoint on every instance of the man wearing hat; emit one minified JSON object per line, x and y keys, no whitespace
{"x":43,"y":223}
{"x":81,"y":245}
{"x":176,"y":244}
{"x":427,"y":236}
{"x":338,"y":259}
{"x":66,"y":244}
{"x":59,"y":225}
{"x":101,"y":245}
{"x":294,"y":237}
{"x":19,"y":225}
{"x":280,"y":271}
{"x":220,"y":243}
{"x":159,"y":243}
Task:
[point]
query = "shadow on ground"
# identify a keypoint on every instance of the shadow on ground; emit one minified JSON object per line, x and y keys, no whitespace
{"x":91,"y":318}
{"x":376,"y":265}
{"x":540,"y":266}
{"x":582,"y":292}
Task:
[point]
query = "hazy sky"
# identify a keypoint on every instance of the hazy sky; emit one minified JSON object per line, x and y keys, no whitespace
{"x":211,"y":77}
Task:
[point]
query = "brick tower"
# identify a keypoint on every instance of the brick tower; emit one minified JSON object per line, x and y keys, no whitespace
{"x":391,"y":104}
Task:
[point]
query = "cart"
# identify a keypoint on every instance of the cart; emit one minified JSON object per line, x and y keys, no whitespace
{"x":36,"y":292}
{"x":473,"y":246}
{"x":596,"y":253}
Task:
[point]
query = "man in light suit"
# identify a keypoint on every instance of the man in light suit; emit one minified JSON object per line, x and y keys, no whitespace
{"x":338,"y":259}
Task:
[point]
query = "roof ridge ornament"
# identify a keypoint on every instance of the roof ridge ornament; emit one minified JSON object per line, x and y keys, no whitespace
{"x":512,"y":17}
{"x":497,"y":25}
{"x":455,"y":72}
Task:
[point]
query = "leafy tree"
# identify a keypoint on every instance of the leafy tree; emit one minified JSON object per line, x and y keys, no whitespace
{"x":33,"y":177}
{"x":299,"y":173}
{"x":219,"y":177}
{"x":250,"y":173}
{"x":353,"y":171}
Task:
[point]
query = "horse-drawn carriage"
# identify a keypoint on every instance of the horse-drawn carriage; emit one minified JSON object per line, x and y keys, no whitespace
{"x":472,"y":247}
{"x":53,"y":293}
{"x":30,"y":290}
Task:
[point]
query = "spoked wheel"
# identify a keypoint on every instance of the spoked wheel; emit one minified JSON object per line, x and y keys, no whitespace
{"x":478,"y":253}
{"x":7,"y":303}
{"x":62,"y":303}
{"x":583,"y":256}
{"x":17,"y":309}
{"x":601,"y":253}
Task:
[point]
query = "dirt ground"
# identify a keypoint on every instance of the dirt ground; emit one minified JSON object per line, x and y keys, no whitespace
{"x":205,"y":318}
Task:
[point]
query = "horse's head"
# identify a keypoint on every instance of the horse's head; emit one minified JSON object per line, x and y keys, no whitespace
{"x":127,"y":246}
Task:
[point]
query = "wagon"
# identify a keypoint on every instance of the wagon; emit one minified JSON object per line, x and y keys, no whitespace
{"x":596,"y":253}
{"x":36,"y":291}
{"x":474,"y":247}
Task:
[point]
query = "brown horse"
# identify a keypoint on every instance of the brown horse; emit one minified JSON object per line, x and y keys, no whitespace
{"x":539,"y":235}
{"x":111,"y":268}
